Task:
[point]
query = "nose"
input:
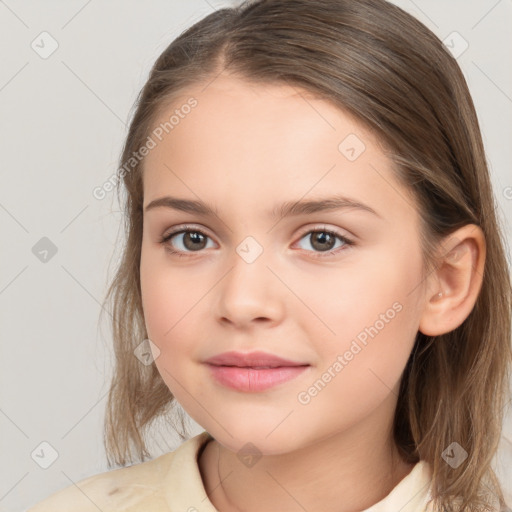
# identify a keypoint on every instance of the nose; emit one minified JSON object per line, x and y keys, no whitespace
{"x":250,"y":294}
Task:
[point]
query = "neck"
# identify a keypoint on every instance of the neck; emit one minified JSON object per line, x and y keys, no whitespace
{"x":347,"y":471}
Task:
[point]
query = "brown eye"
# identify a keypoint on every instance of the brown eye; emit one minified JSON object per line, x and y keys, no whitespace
{"x":186,"y":240}
{"x":324,"y":241}
{"x":193,"y":240}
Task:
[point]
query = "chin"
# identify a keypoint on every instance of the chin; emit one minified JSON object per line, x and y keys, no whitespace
{"x":260,"y":438}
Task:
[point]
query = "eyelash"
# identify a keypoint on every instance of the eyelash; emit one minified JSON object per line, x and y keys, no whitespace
{"x":165,"y":239}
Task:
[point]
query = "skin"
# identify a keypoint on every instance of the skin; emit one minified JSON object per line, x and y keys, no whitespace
{"x":246,"y":148}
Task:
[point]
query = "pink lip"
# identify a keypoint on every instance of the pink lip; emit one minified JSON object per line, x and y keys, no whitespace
{"x":253,"y":372}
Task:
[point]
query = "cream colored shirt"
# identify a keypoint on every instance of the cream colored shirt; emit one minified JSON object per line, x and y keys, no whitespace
{"x":173,"y":483}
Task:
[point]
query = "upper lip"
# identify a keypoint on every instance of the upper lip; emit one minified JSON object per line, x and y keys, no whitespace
{"x":251,"y":359}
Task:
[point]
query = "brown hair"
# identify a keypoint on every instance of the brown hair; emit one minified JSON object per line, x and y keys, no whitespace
{"x":395,"y":76}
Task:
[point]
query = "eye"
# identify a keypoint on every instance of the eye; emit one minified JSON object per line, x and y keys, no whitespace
{"x":188,"y":239}
{"x":323,"y":240}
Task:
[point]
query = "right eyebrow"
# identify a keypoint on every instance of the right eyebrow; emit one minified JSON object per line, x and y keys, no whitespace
{"x":184,"y":205}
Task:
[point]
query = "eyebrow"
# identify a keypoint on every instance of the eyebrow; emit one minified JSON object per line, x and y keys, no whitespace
{"x":286,"y":209}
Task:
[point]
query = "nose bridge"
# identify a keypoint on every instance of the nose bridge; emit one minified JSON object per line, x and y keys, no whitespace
{"x":248,"y":291}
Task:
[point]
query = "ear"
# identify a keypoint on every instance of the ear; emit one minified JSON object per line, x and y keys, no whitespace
{"x":453,"y":287}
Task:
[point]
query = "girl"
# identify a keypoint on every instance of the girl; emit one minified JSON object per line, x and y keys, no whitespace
{"x":341,"y":329}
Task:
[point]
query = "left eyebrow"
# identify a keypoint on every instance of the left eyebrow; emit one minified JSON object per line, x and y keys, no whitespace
{"x":286,"y":209}
{"x":291,"y":208}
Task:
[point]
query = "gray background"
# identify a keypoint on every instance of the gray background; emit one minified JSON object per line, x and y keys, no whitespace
{"x":63,"y":123}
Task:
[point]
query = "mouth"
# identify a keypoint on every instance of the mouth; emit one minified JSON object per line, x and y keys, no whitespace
{"x":253,"y":372}
{"x":255,"y":360}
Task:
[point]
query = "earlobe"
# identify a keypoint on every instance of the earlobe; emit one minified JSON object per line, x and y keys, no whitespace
{"x":453,"y":287}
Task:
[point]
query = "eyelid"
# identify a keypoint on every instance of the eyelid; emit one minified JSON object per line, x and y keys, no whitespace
{"x":186,"y":227}
{"x":319,"y":227}
{"x":324,"y":227}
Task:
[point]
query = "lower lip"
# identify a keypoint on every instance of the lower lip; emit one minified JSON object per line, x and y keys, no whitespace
{"x":254,"y":380}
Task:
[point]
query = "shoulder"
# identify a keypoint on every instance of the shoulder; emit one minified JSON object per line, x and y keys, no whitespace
{"x":114,"y":490}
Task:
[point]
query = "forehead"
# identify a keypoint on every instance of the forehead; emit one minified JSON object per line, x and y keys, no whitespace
{"x":265,"y":103}
{"x":265,"y":141}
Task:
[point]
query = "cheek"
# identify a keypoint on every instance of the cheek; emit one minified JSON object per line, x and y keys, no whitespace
{"x":375,"y":318}
{"x":171,"y":300}
{"x":165,"y":306}
{"x":353,"y":296}
{"x":167,"y":296}
{"x":355,"y":377}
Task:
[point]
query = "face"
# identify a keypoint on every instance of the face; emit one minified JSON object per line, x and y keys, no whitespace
{"x":335,"y":290}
